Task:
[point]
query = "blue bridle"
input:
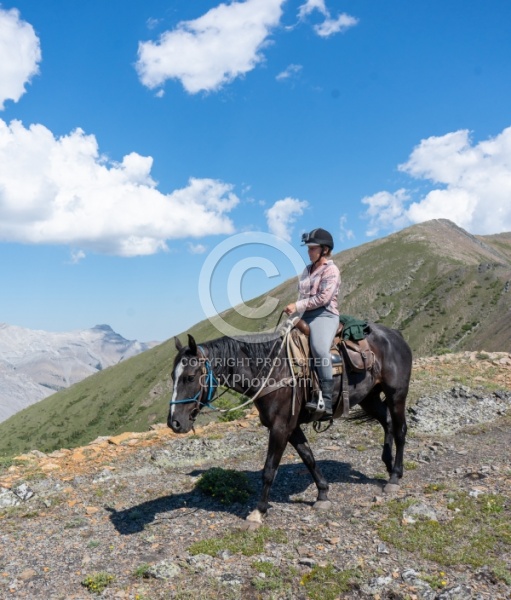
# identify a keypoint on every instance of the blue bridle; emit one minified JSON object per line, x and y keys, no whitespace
{"x":210,"y":383}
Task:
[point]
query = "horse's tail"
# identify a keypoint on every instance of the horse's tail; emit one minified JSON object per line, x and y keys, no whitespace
{"x":361,"y":416}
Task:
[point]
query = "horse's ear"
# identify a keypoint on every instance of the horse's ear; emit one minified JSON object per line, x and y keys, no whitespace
{"x":179,"y":345}
{"x":192,"y":344}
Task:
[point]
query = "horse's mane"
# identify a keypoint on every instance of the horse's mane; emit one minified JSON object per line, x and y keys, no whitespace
{"x":255,"y":346}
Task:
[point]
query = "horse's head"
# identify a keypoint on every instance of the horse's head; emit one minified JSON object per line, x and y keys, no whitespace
{"x":194,"y":386}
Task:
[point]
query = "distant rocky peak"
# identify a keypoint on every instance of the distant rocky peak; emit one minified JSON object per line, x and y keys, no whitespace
{"x":35,"y":364}
{"x":104,"y":327}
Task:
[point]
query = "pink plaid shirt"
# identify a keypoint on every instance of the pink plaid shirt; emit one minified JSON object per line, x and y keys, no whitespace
{"x":319,"y":289}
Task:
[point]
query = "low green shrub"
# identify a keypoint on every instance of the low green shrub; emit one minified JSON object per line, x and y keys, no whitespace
{"x":328,"y":583}
{"x":225,"y":485}
{"x":142,"y":570}
{"x":98,"y":582}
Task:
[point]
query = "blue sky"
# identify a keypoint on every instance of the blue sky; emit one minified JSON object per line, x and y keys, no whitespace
{"x":136,"y":137}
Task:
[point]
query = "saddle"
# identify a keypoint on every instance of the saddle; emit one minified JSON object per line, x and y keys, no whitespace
{"x":346,"y":354}
{"x":299,"y":356}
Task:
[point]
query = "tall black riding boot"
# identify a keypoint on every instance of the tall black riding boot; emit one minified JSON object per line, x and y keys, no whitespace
{"x":327,"y":389}
{"x":322,"y":406}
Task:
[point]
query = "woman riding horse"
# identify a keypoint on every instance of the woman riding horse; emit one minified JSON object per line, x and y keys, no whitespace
{"x":318,"y":289}
{"x":380,"y":392}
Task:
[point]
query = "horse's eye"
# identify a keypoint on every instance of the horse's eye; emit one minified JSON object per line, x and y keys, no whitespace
{"x":190,"y":378}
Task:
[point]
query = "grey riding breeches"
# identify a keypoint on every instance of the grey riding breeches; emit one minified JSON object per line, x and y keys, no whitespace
{"x":323,"y":325}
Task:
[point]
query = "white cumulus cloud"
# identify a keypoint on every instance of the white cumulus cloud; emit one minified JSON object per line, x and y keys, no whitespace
{"x":196,"y":248}
{"x":471,"y":185}
{"x":346,"y":233}
{"x":386,"y":210}
{"x":289,"y":72}
{"x":338,"y":25}
{"x":310,"y":6}
{"x":330,"y":25}
{"x":212,"y":50}
{"x":63,"y":191}
{"x":283,"y":214}
{"x":77,"y":256}
{"x":20,"y":54}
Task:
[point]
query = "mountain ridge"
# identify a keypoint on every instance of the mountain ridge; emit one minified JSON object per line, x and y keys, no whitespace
{"x":35,"y":364}
{"x":444,"y":289}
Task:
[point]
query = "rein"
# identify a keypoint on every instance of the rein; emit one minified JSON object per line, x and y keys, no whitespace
{"x":211,"y":382}
{"x":285,"y":334}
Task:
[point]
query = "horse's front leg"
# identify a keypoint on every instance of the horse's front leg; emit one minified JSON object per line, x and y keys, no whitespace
{"x":276,"y":446}
{"x":301,"y":445}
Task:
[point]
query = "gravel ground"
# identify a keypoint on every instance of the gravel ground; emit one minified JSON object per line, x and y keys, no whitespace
{"x":129,"y":507}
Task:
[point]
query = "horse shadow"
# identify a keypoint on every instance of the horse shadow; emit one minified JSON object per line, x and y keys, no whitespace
{"x":292,"y":480}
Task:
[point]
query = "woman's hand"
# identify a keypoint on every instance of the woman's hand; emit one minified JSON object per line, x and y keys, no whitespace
{"x":290,"y":308}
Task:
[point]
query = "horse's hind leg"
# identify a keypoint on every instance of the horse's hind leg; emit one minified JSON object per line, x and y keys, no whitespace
{"x":391,"y":415}
{"x":378,"y":410}
{"x":300,"y":444}
{"x":396,"y":405}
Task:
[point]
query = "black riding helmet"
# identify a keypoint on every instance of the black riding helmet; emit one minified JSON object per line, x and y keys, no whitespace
{"x":319,"y":236}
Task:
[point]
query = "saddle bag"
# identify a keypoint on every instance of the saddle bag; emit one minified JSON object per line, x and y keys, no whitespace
{"x":357,"y":356}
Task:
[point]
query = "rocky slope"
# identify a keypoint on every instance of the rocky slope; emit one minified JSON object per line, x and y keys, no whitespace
{"x":125,"y":514}
{"x":35,"y":364}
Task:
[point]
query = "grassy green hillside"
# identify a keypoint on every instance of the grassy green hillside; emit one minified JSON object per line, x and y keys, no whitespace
{"x":442,"y":287}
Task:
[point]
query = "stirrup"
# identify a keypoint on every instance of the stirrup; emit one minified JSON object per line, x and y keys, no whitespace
{"x":318,"y":406}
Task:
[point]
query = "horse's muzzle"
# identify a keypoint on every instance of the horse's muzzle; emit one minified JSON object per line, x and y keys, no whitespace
{"x":175,"y":425}
{"x":179,"y":427}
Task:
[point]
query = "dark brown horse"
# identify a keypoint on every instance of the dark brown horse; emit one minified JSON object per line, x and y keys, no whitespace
{"x":255,"y":361}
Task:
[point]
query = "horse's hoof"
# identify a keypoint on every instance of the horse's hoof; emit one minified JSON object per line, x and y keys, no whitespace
{"x":253,"y":521}
{"x":322,"y":505}
{"x":391,"y":488}
{"x":250,"y":526}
